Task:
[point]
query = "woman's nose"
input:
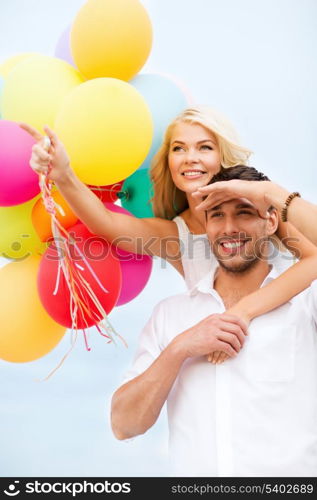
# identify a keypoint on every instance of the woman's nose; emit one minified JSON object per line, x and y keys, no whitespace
{"x":192,"y":156}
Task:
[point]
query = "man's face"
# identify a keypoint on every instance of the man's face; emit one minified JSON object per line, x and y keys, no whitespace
{"x":238,"y":235}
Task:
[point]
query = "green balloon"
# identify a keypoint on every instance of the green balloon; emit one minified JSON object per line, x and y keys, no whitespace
{"x":137,"y":190}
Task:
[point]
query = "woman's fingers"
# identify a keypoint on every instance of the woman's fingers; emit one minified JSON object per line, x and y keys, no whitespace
{"x":40,"y":153}
{"x":213,"y":200}
{"x":223,"y":191}
{"x":236,"y":320}
{"x":216,"y":357}
{"x":38,"y":168}
{"x":263,"y":212}
{"x":211,"y":356}
{"x":236,"y":332}
{"x":226,"y":348}
{"x":230,"y":339}
{"x":220,"y":192}
{"x":223,"y":356}
{"x":51,"y":134}
{"x":31,"y":130}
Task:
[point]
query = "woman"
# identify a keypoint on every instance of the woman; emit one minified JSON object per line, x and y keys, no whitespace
{"x":196,"y":145}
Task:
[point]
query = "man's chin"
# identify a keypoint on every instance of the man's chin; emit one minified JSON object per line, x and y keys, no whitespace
{"x":240,"y":266}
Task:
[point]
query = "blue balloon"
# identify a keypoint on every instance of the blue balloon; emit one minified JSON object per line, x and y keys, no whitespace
{"x":1,"y":88}
{"x":165,"y":100}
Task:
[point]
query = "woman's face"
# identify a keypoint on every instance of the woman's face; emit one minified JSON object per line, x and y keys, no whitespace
{"x":193,"y":156}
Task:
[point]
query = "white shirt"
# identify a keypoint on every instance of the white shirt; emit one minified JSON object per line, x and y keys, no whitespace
{"x":255,"y":415}
{"x":198,"y":258}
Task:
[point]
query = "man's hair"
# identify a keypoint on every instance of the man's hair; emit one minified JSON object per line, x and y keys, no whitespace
{"x":241,"y":172}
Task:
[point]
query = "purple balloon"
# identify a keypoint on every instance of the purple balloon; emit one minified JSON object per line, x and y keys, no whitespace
{"x":19,"y":183}
{"x":62,"y":49}
{"x":136,"y":269}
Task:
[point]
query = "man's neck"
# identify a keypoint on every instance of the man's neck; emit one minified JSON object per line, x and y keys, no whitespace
{"x":233,"y":286}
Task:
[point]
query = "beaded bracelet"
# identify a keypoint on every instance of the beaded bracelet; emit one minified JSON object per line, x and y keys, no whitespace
{"x":287,"y":202}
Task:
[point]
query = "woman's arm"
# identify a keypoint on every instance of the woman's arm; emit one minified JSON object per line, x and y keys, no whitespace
{"x":301,"y":213}
{"x":142,"y":236}
{"x":291,"y":282}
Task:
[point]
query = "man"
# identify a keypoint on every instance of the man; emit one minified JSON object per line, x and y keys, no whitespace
{"x":255,"y":414}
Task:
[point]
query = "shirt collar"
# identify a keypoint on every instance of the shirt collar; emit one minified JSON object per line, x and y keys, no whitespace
{"x":205,"y":285}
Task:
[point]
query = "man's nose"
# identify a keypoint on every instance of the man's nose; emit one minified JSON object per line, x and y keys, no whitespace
{"x":230,"y":227}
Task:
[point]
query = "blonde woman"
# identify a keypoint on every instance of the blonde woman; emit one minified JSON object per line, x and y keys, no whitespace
{"x":197,"y":144}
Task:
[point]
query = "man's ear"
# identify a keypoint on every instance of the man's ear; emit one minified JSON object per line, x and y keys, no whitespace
{"x":272,"y":221}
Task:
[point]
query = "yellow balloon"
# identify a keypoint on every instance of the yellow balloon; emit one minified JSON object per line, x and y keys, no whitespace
{"x":106,"y":127}
{"x":111,"y":38}
{"x":18,"y":238}
{"x":27,"y":331}
{"x":35,"y":88}
{"x":9,"y":64}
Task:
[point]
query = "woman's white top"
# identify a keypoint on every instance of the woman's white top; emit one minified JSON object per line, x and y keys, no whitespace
{"x":198,"y":258}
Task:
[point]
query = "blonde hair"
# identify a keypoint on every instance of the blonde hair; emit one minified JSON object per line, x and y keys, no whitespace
{"x":168,"y":201}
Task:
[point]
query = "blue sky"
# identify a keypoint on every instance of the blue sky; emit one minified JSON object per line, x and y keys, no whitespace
{"x":256,"y":62}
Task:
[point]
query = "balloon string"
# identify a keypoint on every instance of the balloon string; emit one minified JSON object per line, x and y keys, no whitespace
{"x":61,"y":361}
{"x":91,"y":269}
{"x":119,"y":194}
{"x":81,"y":293}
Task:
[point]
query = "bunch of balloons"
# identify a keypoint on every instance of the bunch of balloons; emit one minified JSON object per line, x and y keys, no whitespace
{"x":111,"y":120}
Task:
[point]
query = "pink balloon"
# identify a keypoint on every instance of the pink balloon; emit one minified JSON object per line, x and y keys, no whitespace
{"x":136,"y":269}
{"x":17,"y":180}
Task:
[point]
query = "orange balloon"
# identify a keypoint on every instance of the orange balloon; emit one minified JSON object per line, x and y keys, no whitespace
{"x":42,"y":220}
{"x":27,"y":331}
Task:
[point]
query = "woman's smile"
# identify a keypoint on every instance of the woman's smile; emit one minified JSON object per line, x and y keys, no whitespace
{"x":194,"y":156}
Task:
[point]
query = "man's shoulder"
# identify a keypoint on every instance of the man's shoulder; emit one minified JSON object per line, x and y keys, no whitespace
{"x":177,"y":300}
{"x":183,"y":309}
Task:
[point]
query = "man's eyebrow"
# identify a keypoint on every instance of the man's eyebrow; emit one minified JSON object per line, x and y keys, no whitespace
{"x":216,"y":208}
{"x":245,"y":205}
{"x":240,"y":205}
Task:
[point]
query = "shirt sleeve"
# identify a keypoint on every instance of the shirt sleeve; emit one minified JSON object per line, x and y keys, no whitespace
{"x":148,"y":347}
{"x":312,"y":300}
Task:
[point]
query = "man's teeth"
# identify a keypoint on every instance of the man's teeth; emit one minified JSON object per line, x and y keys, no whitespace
{"x":233,"y":244}
{"x":193,"y":172}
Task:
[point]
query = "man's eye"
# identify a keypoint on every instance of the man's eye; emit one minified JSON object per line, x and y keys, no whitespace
{"x":245,"y":212}
{"x":216,"y":214}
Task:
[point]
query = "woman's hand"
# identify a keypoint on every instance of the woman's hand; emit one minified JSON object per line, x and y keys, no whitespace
{"x":219,"y":192}
{"x":55,"y":161}
{"x":218,"y":357}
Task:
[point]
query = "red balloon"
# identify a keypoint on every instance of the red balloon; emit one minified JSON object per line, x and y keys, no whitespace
{"x":107,"y":193}
{"x":136,"y":269}
{"x":102,"y":258}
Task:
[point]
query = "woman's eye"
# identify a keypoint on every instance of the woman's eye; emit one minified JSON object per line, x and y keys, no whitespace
{"x":176,"y":148}
{"x":206,"y":147}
